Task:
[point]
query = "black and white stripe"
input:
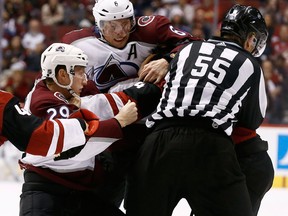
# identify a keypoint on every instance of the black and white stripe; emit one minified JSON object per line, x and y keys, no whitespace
{"x":211,"y":79}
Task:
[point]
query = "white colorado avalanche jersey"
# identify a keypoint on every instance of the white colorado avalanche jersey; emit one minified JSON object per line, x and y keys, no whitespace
{"x":109,"y":65}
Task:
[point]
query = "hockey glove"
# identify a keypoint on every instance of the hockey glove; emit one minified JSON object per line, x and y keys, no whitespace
{"x":91,"y":119}
{"x":147,"y":96}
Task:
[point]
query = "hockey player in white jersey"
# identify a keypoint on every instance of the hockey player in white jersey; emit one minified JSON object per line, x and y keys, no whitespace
{"x":119,"y":43}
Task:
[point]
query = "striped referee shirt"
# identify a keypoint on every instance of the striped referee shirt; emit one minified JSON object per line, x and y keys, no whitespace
{"x":213,"y":79}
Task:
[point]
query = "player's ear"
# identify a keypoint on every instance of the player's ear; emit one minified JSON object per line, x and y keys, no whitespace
{"x":63,"y":77}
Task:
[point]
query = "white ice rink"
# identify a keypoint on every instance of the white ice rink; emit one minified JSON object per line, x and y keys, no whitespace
{"x":275,"y":203}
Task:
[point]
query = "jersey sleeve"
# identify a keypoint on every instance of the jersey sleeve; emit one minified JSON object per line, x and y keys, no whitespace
{"x":252,"y":112}
{"x":169,"y":38}
{"x":167,"y":33}
{"x":105,"y":106}
{"x":37,"y":136}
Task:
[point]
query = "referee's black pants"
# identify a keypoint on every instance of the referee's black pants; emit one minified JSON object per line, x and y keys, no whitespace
{"x":198,"y":164}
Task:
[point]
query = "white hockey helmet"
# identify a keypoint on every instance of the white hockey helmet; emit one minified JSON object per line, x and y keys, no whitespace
{"x":62,"y":54}
{"x":108,"y":10}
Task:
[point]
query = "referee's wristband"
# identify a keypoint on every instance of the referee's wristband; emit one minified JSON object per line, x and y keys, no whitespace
{"x":168,"y":57}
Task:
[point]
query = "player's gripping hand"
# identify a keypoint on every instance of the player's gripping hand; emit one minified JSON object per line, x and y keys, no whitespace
{"x":91,"y":119}
{"x":154,"y":71}
{"x":128,"y":114}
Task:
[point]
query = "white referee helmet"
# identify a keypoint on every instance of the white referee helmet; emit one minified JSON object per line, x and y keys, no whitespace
{"x":108,"y":10}
{"x":62,"y":54}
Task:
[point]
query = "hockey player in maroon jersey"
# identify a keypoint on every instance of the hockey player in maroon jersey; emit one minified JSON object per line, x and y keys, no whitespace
{"x":37,"y":136}
{"x":73,"y":186}
{"x":120,"y":42}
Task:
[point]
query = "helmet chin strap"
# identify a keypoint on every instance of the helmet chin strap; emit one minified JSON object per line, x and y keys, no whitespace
{"x":75,"y":99}
{"x":68,"y":87}
{"x":72,"y":92}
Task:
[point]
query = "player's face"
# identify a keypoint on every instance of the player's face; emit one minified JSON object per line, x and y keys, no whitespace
{"x":117,"y":32}
{"x":79,"y":79}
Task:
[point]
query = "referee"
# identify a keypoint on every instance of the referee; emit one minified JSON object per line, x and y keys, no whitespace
{"x":189,"y":152}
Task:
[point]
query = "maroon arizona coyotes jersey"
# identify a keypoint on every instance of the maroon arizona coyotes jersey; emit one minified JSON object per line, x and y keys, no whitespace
{"x":34,"y":135}
{"x":77,"y":172}
{"x":81,"y":168}
{"x":108,"y":65}
{"x":44,"y":103}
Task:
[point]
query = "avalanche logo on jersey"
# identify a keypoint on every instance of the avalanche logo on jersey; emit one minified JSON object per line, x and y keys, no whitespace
{"x":282,"y":161}
{"x":112,"y":72}
{"x":145,"y":20}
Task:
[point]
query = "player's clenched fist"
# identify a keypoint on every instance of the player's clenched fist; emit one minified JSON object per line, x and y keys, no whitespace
{"x":91,"y":119}
{"x":128,"y":114}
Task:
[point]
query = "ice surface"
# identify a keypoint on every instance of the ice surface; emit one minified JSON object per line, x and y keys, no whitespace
{"x":274,"y":203}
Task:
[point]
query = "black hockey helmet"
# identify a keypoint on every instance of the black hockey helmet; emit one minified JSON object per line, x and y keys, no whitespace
{"x":241,"y":20}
